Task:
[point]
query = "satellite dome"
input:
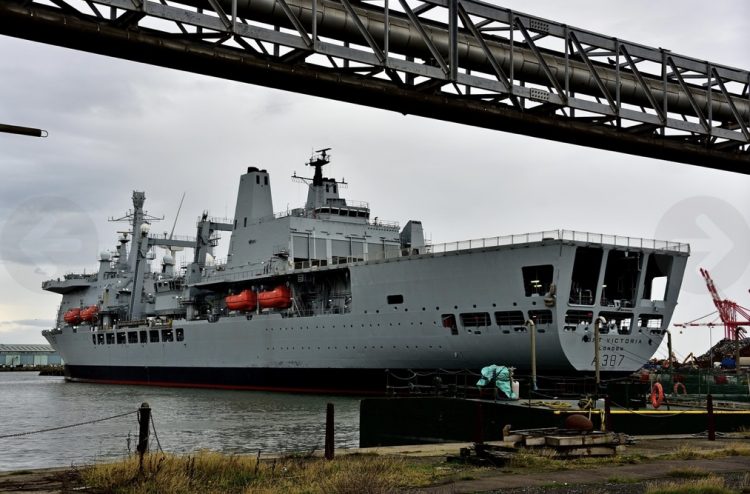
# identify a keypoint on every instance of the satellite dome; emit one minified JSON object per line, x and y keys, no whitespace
{"x":167,"y":259}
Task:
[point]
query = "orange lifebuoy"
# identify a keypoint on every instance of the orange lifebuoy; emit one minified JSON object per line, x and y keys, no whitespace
{"x":657,"y":395}
{"x":678,"y":387}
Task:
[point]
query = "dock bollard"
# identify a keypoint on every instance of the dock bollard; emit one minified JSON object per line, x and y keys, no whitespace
{"x":144,"y":418}
{"x":329,"y":432}
{"x":711,"y":422}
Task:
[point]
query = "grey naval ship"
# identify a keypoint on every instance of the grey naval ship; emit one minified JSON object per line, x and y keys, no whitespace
{"x":326,"y":298}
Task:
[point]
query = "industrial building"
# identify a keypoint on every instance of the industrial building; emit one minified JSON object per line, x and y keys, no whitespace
{"x":28,"y":355}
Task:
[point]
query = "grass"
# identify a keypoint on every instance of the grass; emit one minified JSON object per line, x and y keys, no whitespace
{"x":214,"y":473}
{"x":688,"y":473}
{"x":209,"y":472}
{"x":686,"y":452}
{"x":707,"y":485}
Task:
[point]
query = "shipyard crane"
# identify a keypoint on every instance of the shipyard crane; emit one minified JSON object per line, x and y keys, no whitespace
{"x":733,"y":316}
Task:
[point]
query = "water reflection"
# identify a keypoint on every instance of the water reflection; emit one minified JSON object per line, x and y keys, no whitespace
{"x":185,"y":420}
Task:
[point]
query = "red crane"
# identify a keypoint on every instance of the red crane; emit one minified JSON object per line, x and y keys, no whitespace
{"x":733,"y":315}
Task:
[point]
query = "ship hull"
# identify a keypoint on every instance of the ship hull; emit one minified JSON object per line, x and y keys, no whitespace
{"x":459,"y":310}
{"x":318,"y":381}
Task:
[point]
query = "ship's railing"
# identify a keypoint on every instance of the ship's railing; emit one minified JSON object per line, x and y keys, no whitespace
{"x":213,"y":219}
{"x":594,"y":238}
{"x":166,"y":236}
{"x":311,"y":213}
{"x":68,"y":277}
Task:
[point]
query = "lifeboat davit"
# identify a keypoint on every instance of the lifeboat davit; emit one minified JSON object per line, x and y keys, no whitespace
{"x":73,"y":316}
{"x":89,"y":313}
{"x":278,"y":298}
{"x":245,"y":300}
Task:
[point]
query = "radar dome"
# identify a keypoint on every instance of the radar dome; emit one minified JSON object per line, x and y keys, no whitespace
{"x":168,"y":260}
{"x":105,"y":256}
{"x":145,"y":229}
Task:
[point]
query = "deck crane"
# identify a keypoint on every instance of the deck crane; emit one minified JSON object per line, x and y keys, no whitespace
{"x":733,"y":316}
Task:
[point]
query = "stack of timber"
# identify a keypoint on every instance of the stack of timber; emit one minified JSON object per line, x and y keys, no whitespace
{"x":550,"y":442}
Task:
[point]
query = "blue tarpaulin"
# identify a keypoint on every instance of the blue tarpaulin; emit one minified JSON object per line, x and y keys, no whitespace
{"x":499,"y":376}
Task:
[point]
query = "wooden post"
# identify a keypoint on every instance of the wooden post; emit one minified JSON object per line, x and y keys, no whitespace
{"x":711,"y":422}
{"x":144,"y":419}
{"x":479,"y":424}
{"x":329,"y":432}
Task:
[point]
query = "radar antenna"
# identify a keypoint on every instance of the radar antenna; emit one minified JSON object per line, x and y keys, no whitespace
{"x":318,"y":160}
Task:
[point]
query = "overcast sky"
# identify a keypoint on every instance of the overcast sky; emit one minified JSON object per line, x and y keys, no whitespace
{"x":116,"y":126}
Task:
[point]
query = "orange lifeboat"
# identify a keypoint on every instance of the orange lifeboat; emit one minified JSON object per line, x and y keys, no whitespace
{"x":278,"y":298}
{"x":245,"y":300}
{"x":89,"y":313}
{"x":73,"y":316}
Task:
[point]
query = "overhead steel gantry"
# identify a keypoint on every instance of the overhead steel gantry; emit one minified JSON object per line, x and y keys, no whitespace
{"x":457,"y":60}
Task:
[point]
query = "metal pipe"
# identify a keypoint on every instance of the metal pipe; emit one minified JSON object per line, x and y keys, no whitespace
{"x":669,"y":348}
{"x":532,"y":329}
{"x":333,"y":20}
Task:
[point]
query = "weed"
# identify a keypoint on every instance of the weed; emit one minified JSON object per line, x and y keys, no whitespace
{"x":688,"y":473}
{"x":707,"y":485}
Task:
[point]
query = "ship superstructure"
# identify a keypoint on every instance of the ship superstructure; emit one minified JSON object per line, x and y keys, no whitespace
{"x":326,"y":297}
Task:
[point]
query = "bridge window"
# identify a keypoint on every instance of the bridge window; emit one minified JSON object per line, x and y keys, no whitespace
{"x":617,"y":322}
{"x":93,"y":339}
{"x":586,"y":269}
{"x":475,"y":319}
{"x":510,"y":318}
{"x":257,"y":179}
{"x":132,"y":337}
{"x":120,"y":338}
{"x":395,"y":299}
{"x":153,"y":336}
{"x":110,"y":338}
{"x":537,"y":279}
{"x":657,"y":275}
{"x":650,"y":321}
{"x":449,"y":321}
{"x":621,"y":278}
{"x":265,"y":180}
{"x":578,"y":318}
{"x":144,"y":336}
{"x":180,"y":333}
{"x":100,"y":339}
{"x":541,"y":316}
{"x":166,"y":335}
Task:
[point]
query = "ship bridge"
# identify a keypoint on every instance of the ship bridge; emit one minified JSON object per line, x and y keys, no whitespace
{"x":463,"y":61}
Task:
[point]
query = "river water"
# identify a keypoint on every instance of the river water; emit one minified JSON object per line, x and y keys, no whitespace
{"x":185,"y":420}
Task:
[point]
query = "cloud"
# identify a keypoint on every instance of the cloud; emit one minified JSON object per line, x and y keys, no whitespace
{"x":39,"y":323}
{"x":24,"y":331}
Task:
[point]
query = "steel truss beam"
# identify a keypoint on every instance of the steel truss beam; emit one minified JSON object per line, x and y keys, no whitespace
{"x":498,"y":69}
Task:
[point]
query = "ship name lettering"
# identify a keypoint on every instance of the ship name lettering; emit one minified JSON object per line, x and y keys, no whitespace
{"x":623,"y":340}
